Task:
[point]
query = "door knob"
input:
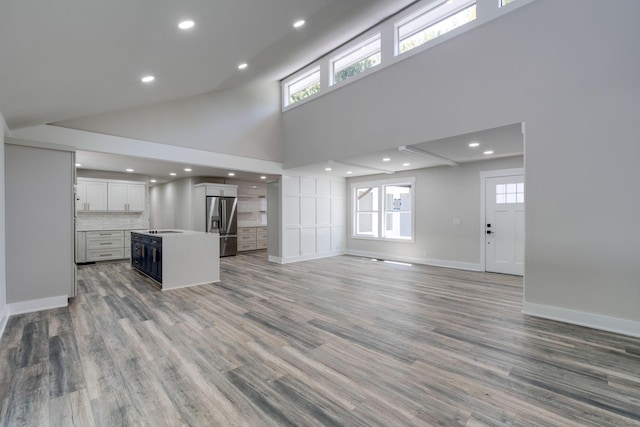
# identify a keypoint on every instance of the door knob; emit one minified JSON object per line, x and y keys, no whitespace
{"x":488,"y":231}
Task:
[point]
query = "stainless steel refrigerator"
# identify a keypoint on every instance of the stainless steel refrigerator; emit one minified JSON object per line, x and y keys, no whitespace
{"x":222,"y":217}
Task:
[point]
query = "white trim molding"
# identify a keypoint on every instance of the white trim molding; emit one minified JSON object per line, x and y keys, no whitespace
{"x":4,"y":318}
{"x":38,"y":305}
{"x":458,"y":265}
{"x":300,"y":258}
{"x":275,"y":259}
{"x":581,"y":318}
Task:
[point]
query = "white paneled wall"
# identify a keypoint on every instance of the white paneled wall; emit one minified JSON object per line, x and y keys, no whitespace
{"x":313,"y":217}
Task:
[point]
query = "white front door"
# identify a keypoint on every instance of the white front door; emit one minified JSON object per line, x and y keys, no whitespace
{"x":504,"y":225}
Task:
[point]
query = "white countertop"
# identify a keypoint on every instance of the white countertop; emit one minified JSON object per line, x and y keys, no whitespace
{"x":179,"y":233}
{"x":109,"y":229}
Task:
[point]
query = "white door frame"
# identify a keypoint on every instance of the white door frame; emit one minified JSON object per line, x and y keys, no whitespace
{"x":483,"y":214}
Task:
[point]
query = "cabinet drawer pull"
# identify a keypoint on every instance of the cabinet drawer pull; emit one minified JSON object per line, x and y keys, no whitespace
{"x":106,"y":255}
{"x":103,"y":244}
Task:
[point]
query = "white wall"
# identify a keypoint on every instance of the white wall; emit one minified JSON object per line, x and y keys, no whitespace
{"x":171,"y":205}
{"x":441,"y":194}
{"x":4,"y":315}
{"x":39,"y":227}
{"x":580,"y":101}
{"x":244,"y":122}
{"x":313,"y":217}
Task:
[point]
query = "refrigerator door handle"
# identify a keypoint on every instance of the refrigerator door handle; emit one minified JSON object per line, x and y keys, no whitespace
{"x":224,"y":214}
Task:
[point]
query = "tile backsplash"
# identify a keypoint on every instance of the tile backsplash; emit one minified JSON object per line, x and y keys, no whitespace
{"x":111,"y":221}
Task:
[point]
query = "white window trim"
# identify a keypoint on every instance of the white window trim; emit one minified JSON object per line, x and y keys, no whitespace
{"x":487,"y":10}
{"x":416,"y":14}
{"x":380,"y":184}
{"x":354,"y":45}
{"x":298,"y":76}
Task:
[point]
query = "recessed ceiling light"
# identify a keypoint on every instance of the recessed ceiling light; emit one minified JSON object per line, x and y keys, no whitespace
{"x":185,"y":25}
{"x":263,"y":177}
{"x":328,"y":169}
{"x":349,"y":172}
{"x":488,"y":152}
{"x":187,"y":170}
{"x":129,"y":170}
{"x":78,"y":165}
{"x":231,"y":174}
{"x":406,"y":164}
{"x":147,"y":79}
{"x":474,"y":144}
{"x":298,"y":24}
{"x":153,"y":180}
{"x":386,"y":159}
{"x":172,"y":174}
{"x":242,"y":66}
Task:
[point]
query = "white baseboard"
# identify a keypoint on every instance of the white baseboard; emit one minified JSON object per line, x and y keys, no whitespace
{"x":38,"y":305}
{"x":581,"y":318}
{"x":275,"y":259}
{"x":308,"y":257}
{"x":4,"y":318}
{"x":426,"y":261}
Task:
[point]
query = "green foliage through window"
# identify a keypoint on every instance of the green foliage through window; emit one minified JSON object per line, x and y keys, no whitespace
{"x":439,"y":28}
{"x":358,"y":67}
{"x":304,"y":93}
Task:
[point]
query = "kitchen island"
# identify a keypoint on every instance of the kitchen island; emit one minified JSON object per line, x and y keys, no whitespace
{"x":176,"y":258}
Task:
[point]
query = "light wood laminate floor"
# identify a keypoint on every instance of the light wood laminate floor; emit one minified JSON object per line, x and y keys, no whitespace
{"x":338,"y":341}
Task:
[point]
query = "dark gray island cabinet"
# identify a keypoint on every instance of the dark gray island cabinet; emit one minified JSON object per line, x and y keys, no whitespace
{"x":176,"y":258}
{"x":146,"y":255}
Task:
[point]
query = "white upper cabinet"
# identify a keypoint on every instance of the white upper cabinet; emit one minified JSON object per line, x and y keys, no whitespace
{"x":136,"y":197}
{"x":110,"y":195}
{"x":126,"y":197}
{"x":91,"y":195}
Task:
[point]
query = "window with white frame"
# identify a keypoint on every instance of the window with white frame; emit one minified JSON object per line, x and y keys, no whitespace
{"x":361,"y":57}
{"x":393,"y":40}
{"x":303,"y":86}
{"x":433,"y":21}
{"x":383,"y":210}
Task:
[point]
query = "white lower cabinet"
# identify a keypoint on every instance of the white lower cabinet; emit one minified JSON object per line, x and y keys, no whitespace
{"x":103,"y":245}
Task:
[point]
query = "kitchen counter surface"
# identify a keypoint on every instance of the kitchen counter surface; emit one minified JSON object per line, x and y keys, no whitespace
{"x":109,"y":229}
{"x":173,"y":233}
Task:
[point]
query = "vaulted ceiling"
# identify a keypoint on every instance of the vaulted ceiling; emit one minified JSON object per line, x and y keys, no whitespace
{"x":65,"y":59}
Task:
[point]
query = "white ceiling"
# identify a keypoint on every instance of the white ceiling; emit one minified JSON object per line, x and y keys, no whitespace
{"x":66,"y":59}
{"x":158,"y":169}
{"x":72,"y":58}
{"x":505,"y":141}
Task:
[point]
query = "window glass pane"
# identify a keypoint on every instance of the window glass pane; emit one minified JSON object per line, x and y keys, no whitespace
{"x":364,"y":56}
{"x":505,"y":2}
{"x":367,"y":199}
{"x":304,"y":87}
{"x":520,"y":187}
{"x":501,"y":189}
{"x":398,"y":223}
{"x":367,"y":224}
{"x":520,"y":197}
{"x":511,"y":198}
{"x":511,"y":188}
{"x":430,"y":24}
{"x":500,"y":199}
